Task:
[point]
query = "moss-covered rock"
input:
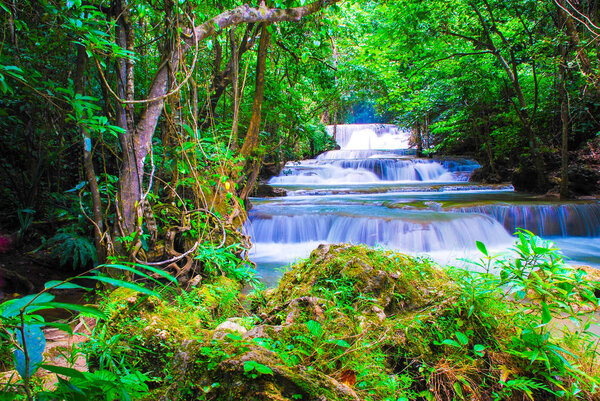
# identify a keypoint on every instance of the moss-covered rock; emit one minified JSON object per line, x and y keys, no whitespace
{"x":349,"y":323}
{"x":233,"y":369}
{"x":361,"y":277}
{"x":148,"y":330}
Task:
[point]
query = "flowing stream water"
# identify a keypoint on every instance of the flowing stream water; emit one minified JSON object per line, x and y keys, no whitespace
{"x":374,"y":191}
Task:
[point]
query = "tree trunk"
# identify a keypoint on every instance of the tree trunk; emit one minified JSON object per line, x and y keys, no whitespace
{"x":251,"y":143}
{"x":564,"y":118}
{"x":130,"y":174}
{"x":136,"y":142}
{"x":88,"y":165}
{"x":510,"y":66}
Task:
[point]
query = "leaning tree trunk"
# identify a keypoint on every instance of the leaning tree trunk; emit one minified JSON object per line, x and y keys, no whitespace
{"x":88,"y":165}
{"x":250,"y":149}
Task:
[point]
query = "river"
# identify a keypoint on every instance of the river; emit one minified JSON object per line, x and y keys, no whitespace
{"x":374,"y":191}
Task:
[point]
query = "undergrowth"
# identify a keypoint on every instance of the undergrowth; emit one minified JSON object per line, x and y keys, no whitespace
{"x":356,"y":323}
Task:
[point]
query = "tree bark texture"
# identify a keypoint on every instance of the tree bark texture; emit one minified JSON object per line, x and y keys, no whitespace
{"x":88,"y":165}
{"x":251,"y":143}
{"x":564,"y":118}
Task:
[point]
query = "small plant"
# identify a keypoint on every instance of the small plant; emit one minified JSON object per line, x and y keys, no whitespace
{"x":21,"y":326}
{"x":224,"y":261}
{"x":254,"y":369}
{"x":547,"y":290}
{"x":71,"y":248}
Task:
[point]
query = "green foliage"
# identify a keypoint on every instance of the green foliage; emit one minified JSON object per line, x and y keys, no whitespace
{"x":223,"y":261}
{"x":22,"y":329}
{"x":393,"y":327}
{"x":253,"y":366}
{"x":71,"y":248}
{"x":535,"y":274}
{"x":100,"y":385}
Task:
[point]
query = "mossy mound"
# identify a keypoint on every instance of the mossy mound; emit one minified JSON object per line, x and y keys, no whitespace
{"x":360,"y":277}
{"x":348,"y":323}
{"x":149,"y":330}
{"x":353,"y":323}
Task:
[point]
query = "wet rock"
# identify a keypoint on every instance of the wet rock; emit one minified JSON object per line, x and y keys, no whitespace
{"x":227,"y":327}
{"x":267,"y":191}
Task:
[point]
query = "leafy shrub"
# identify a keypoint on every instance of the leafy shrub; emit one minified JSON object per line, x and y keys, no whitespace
{"x":71,"y":248}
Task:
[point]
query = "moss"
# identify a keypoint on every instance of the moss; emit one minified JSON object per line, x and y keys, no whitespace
{"x":148,"y":330}
{"x":6,"y":356}
{"x":353,"y":274}
{"x":347,"y":323}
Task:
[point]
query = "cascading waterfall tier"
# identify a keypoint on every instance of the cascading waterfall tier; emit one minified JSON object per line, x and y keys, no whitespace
{"x":374,"y":191}
{"x":563,"y":220}
{"x":369,"y":136}
{"x":379,"y":161}
{"x":416,"y":233}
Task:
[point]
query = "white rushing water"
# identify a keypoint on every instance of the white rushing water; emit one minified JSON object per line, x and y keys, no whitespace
{"x":373,"y":191}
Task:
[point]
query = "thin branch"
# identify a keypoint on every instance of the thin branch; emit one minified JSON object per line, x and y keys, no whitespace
{"x":582,"y":14}
{"x":449,"y":57}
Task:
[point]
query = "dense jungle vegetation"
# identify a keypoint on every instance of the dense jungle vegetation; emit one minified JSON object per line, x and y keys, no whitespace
{"x":133,"y":132}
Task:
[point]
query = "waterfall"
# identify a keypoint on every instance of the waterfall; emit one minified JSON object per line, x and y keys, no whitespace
{"x":572,"y":219}
{"x":345,"y":133}
{"x":373,"y":154}
{"x":417,"y":234}
{"x":374,"y":191}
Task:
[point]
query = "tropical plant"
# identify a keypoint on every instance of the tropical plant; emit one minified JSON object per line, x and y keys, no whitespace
{"x":22,"y":326}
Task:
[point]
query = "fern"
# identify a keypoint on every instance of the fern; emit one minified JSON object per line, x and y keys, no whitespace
{"x":71,"y":247}
{"x":527,"y":385}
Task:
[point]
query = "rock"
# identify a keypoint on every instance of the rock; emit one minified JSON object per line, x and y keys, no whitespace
{"x":179,"y":369}
{"x":525,"y":179}
{"x":379,"y":313}
{"x":227,"y":327}
{"x":13,"y":282}
{"x":254,"y":375}
{"x":267,"y":191}
{"x":392,"y":281}
{"x":485,"y":175}
{"x":584,"y":180}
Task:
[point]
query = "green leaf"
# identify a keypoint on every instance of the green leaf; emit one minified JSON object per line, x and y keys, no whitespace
{"x":123,"y":284}
{"x":60,"y":285}
{"x":153,"y":269}
{"x":35,"y":342}
{"x":11,"y":308}
{"x":315,"y":328}
{"x":546,"y":316}
{"x":339,"y":343}
{"x":84,"y":310}
{"x":478,"y":349}
{"x":61,"y":326}
{"x":462,"y":338}
{"x":458,"y":390}
{"x":63,"y":371}
{"x":481,"y":247}
{"x":451,"y":342}
{"x":265,"y":370}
